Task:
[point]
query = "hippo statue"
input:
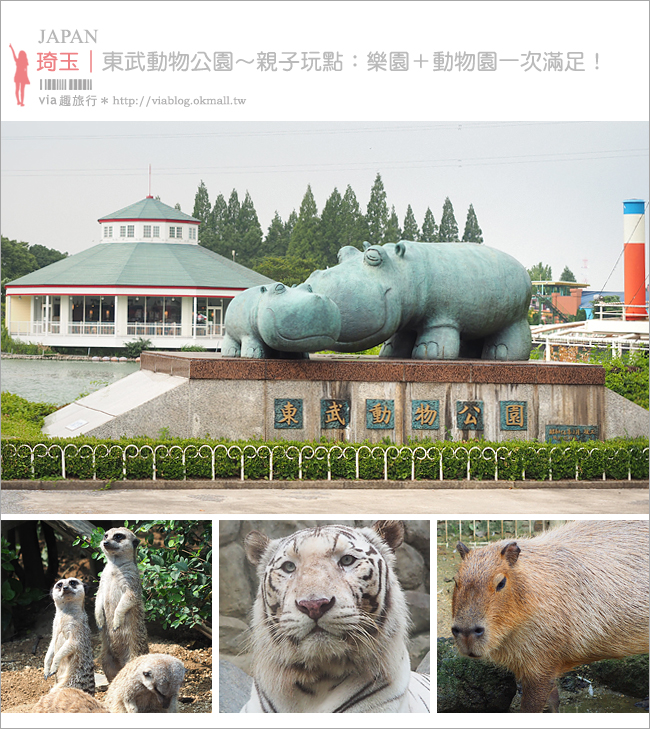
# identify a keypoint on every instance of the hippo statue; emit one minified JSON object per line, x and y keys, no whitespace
{"x":429,"y":301}
{"x":275,"y":321}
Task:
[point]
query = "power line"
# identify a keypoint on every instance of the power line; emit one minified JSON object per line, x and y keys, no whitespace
{"x":339,"y":166}
{"x":458,"y":126}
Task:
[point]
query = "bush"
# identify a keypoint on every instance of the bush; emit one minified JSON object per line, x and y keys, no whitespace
{"x":176,"y":569}
{"x":626,"y":375}
{"x":136,"y":347}
{"x":178,"y":459}
{"x":13,"y":346}
{"x":22,"y":418}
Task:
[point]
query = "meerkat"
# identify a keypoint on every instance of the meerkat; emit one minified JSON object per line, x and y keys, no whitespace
{"x":119,"y":610}
{"x":68,"y":701}
{"x":147,"y":684}
{"x":70,"y":654}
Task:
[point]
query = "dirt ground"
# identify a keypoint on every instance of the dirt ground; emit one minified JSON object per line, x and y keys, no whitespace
{"x":23,"y":653}
{"x":23,"y":683}
{"x":448,"y":561}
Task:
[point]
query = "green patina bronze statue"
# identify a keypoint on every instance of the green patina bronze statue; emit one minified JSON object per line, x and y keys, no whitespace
{"x":274,"y":321}
{"x":431,"y":301}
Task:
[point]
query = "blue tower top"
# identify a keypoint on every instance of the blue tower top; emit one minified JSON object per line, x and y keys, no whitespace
{"x":633,"y":207}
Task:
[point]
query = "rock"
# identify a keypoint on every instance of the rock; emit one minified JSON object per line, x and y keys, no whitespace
{"x":419,"y":646}
{"x":234,"y":687}
{"x":470,"y":686}
{"x":425,"y":665}
{"x":418,"y":535}
{"x":228,"y":530}
{"x":420,"y":608}
{"x":232,"y":634}
{"x":235,"y":596}
{"x":410,"y":567}
{"x":625,"y":675}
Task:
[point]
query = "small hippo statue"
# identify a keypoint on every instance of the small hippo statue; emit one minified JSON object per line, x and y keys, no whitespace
{"x":430,"y":301}
{"x":276,"y":321}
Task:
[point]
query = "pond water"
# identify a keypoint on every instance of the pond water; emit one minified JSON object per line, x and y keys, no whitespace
{"x":60,"y":381}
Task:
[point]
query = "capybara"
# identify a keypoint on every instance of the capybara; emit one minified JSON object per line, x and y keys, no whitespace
{"x":541,"y":606}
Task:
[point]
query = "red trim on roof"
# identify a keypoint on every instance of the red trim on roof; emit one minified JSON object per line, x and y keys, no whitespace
{"x":123,"y":286}
{"x":148,"y":220}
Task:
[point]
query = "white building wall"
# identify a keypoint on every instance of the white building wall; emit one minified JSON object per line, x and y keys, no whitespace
{"x":187,"y":311}
{"x":110,"y":232}
{"x":121,"y":315}
{"x":65,"y":314}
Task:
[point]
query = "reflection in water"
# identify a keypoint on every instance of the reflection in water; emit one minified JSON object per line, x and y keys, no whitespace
{"x":60,"y":381}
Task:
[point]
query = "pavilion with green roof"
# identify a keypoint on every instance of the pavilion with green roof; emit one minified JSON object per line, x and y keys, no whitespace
{"x":147,"y":278}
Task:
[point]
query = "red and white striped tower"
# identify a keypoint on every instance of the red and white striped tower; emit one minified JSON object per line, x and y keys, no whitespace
{"x":634,"y":257}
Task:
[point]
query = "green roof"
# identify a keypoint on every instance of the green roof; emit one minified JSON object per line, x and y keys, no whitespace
{"x":144,"y":264}
{"x":149,"y":209}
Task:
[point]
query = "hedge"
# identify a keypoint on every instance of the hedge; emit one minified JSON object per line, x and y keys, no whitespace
{"x":179,"y":459}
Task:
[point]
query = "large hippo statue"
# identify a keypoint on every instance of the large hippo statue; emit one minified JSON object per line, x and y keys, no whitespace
{"x":430,"y":300}
{"x":275,"y":321}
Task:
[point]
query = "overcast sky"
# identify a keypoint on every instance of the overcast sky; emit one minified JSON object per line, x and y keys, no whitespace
{"x":547,"y":191}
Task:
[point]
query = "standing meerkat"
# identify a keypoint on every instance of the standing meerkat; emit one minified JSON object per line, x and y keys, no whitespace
{"x":70,"y":654}
{"x":68,"y":701}
{"x":147,"y":684}
{"x":119,"y":611}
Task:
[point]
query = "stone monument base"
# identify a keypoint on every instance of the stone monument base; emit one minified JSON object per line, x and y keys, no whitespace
{"x":354,"y":398}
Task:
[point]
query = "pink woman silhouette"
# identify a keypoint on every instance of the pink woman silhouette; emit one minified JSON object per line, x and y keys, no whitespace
{"x":21,"y":75}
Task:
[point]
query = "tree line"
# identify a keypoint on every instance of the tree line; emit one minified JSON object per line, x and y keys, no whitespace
{"x":307,"y":240}
{"x":20,"y":258}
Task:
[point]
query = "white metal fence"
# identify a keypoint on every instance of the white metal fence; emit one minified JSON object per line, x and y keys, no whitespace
{"x":479,"y":532}
{"x":265,"y":456}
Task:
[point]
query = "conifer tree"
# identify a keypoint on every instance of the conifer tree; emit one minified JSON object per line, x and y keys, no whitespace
{"x":411,"y":231}
{"x":392,"y":232}
{"x":218,"y":222}
{"x":377,"y":212}
{"x":202,"y":207}
{"x":275,"y":243}
{"x":202,"y":211}
{"x":472,"y":234}
{"x":231,"y":237}
{"x":448,"y":231}
{"x":540,"y":272}
{"x":353,"y":223}
{"x":304,"y":235}
{"x":567,"y":275}
{"x":429,"y":228}
{"x":249,"y":232}
{"x":289,"y":226}
{"x":331,"y":231}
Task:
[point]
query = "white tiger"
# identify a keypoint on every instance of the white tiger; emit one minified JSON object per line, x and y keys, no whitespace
{"x":330,"y":624}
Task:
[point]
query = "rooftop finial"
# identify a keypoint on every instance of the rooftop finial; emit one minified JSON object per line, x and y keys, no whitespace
{"x":149,"y":195}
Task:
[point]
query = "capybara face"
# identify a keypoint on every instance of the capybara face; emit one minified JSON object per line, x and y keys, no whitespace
{"x":484,"y":599}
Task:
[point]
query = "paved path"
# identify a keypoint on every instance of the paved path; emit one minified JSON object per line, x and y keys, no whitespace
{"x":403,"y":501}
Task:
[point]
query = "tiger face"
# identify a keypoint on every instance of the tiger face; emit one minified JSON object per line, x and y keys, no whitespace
{"x":327,"y":593}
